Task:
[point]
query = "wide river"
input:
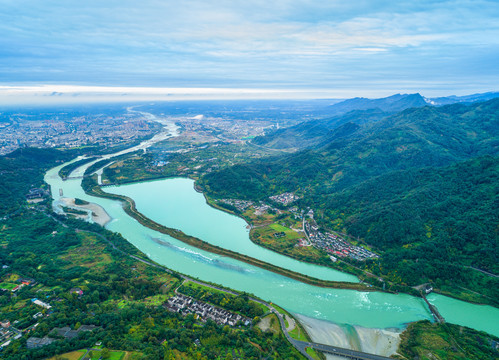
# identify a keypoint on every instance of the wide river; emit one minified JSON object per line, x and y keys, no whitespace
{"x":175,"y":203}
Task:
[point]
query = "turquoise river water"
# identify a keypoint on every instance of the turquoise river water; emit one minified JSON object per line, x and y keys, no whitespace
{"x":175,"y":203}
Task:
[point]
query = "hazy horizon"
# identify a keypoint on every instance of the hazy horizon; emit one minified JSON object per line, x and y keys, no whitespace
{"x":77,"y":94}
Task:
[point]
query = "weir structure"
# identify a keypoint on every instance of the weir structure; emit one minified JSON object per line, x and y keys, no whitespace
{"x":434,"y":311}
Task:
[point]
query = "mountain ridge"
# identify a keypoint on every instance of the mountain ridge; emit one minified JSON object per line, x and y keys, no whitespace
{"x":420,"y":185}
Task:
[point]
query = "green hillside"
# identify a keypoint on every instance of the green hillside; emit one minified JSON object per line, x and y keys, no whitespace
{"x":315,"y":132}
{"x":21,"y":171}
{"x":414,"y":138}
{"x":421,"y":186}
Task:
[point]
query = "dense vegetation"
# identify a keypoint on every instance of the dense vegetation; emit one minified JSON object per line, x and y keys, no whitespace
{"x":355,"y":111}
{"x":240,"y":304}
{"x":393,"y":184}
{"x":21,"y":171}
{"x":68,"y":169}
{"x":424,"y":340}
{"x":122,"y":296}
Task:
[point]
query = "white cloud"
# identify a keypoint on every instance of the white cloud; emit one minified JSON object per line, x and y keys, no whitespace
{"x":215,"y":43}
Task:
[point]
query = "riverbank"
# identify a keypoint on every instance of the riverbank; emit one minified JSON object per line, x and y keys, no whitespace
{"x":98,"y":214}
{"x":314,"y":301}
{"x":397,"y":288}
{"x":462,"y":295}
{"x":338,"y":266}
{"x":92,"y":188}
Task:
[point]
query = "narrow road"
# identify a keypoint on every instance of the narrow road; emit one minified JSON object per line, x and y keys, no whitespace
{"x":482,"y":271}
{"x":346,"y":353}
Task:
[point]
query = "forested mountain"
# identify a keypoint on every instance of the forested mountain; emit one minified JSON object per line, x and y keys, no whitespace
{"x":357,"y":110}
{"x":315,"y":132}
{"x":421,"y":185}
{"x":413,"y":138}
{"x":21,"y":169}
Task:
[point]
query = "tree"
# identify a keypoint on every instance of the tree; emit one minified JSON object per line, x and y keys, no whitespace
{"x":105,"y":353}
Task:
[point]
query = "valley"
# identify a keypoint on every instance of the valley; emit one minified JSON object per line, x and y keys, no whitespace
{"x":281,"y":221}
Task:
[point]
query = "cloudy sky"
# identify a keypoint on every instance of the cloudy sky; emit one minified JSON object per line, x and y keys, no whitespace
{"x":324,"y":47}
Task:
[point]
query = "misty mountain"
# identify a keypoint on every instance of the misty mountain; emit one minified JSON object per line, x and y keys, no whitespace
{"x":389,"y":104}
{"x":464,"y":99}
{"x":358,"y":111}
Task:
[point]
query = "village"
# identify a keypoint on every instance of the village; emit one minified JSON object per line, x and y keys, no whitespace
{"x":8,"y":330}
{"x":285,"y":198}
{"x":240,"y":205}
{"x":330,"y":242}
{"x":186,"y":305}
{"x":334,"y":244}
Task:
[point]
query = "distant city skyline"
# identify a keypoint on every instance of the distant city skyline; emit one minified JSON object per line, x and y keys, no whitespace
{"x":245,"y":49}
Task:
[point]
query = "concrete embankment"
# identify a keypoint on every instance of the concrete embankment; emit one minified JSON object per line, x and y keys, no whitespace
{"x":383,"y":342}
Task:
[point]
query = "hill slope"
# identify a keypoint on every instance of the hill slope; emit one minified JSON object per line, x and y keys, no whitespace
{"x":414,"y":138}
{"x":358,"y":110}
{"x":421,"y":186}
{"x":392,"y":103}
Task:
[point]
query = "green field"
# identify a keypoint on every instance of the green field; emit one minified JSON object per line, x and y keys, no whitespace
{"x":313,"y":353}
{"x":268,"y":233}
{"x":96,"y":354}
{"x":114,"y":355}
{"x":7,"y":286}
{"x":271,"y":236}
{"x":155,"y":300}
{"x":74,"y":355}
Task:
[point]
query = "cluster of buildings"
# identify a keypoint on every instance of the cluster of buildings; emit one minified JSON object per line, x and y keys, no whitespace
{"x":285,"y":198}
{"x":230,"y":128}
{"x":240,"y":205}
{"x":186,"y":305}
{"x":36,"y":342}
{"x":335,"y":245}
{"x":65,"y":332}
{"x":36,"y":194}
{"x":8,"y":333}
{"x":261,"y":208}
{"x":22,"y":130}
{"x":19,"y":283}
{"x":41,"y":304}
{"x":297,"y":213}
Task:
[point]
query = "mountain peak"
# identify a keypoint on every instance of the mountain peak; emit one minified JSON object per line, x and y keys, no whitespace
{"x":393,"y":103}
